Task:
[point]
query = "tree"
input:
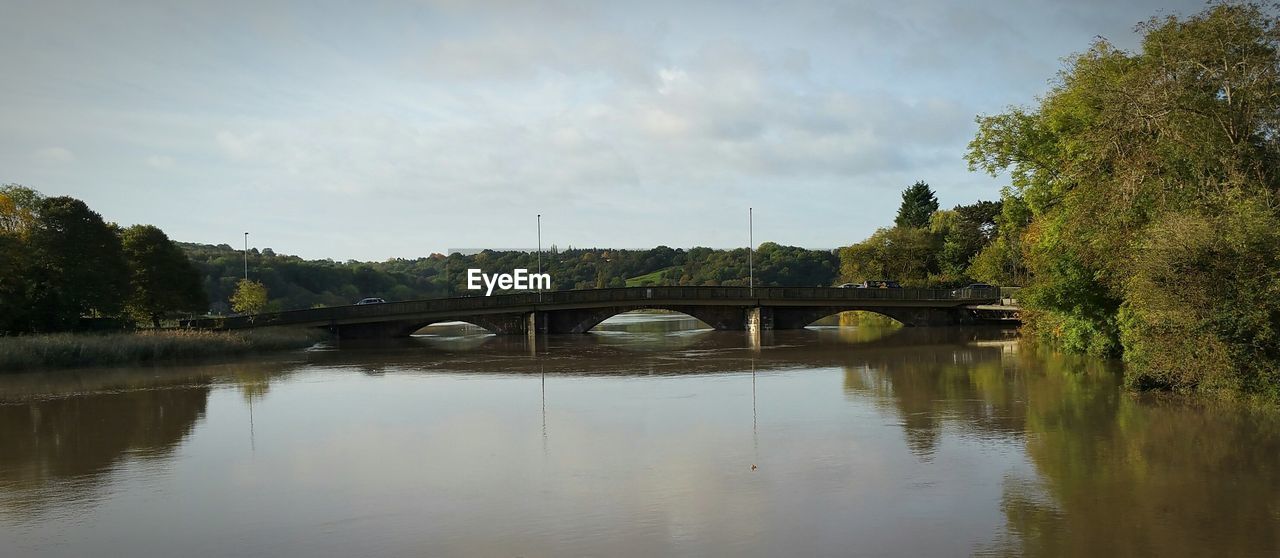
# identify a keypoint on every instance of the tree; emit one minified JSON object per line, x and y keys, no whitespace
{"x":78,"y":267}
{"x":250,"y":297}
{"x":162,"y":279}
{"x":1002,"y":260}
{"x":14,"y":308}
{"x":18,"y":207}
{"x":918,"y":203}
{"x":1149,"y":178}
{"x":901,"y":254}
{"x":972,"y":229}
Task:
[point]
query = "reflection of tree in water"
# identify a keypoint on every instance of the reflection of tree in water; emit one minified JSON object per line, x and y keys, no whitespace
{"x":75,"y":440}
{"x":64,"y":433}
{"x":1116,"y":474}
{"x":1125,"y":475}
{"x":926,"y":386}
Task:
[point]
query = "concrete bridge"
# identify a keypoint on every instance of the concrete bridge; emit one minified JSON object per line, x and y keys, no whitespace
{"x":725,"y":308}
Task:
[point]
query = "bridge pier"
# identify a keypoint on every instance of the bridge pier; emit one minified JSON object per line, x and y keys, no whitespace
{"x":760,"y":318}
{"x":536,"y":323}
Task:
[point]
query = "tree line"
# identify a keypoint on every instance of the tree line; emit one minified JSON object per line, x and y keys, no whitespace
{"x":62,"y":267}
{"x":296,"y":283}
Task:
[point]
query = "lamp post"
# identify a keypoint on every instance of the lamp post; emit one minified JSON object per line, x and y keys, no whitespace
{"x":246,"y":256}
{"x":539,"y":255}
{"x":751,"y":252}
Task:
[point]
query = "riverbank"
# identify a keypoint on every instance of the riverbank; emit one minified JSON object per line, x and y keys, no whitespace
{"x":70,"y":350}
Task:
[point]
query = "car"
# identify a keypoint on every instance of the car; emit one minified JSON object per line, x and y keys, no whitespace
{"x":846,"y":286}
{"x":879,"y":284}
{"x":371,"y":300}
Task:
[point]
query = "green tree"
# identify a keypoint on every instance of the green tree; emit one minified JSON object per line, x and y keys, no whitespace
{"x":901,"y":254}
{"x":1001,"y":261}
{"x":918,"y":203}
{"x":14,"y":307}
{"x":250,"y":297}
{"x":18,"y":207}
{"x":78,"y":267}
{"x":162,"y":279}
{"x":1124,"y":162}
{"x":972,"y":229}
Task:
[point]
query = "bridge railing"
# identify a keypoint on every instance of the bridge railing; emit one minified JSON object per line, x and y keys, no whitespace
{"x":592,"y":296}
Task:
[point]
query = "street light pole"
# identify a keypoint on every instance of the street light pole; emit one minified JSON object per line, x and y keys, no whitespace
{"x":246,"y":256}
{"x":539,"y":255}
{"x":751,"y":252}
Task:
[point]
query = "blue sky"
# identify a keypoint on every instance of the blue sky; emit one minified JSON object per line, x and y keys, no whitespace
{"x":396,"y":129}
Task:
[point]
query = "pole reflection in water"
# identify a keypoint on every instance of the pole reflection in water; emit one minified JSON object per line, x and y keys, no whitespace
{"x":755,"y":428}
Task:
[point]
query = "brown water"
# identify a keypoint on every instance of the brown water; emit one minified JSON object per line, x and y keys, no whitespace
{"x":645,"y":438}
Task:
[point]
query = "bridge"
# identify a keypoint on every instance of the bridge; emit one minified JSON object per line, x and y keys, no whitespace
{"x":724,"y":308}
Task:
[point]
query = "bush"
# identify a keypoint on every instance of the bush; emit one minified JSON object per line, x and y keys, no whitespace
{"x":68,"y":350}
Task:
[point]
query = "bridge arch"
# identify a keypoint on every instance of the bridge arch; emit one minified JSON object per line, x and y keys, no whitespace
{"x":460,"y":322}
{"x":800,"y":317}
{"x":652,"y":311}
{"x":583,"y":320}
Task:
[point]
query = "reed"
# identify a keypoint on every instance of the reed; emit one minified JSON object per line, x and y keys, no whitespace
{"x":69,"y":350}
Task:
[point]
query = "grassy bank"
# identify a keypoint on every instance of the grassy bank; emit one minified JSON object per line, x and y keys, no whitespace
{"x":68,"y":350}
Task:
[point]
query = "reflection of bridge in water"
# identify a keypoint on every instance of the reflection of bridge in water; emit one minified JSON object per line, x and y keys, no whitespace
{"x":723,"y":308}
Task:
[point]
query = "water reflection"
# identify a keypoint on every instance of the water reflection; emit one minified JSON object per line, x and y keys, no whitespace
{"x":652,"y":436}
{"x":1141,"y":475}
{"x":64,"y":433}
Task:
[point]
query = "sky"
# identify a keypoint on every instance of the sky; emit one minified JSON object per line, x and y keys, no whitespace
{"x":373,"y":130}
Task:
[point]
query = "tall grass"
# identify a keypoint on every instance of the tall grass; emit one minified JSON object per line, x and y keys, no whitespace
{"x":68,"y":350}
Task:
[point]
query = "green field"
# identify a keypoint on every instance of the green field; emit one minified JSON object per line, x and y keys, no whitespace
{"x":654,"y":278}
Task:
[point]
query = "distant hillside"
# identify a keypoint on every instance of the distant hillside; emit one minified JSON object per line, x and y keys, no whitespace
{"x":294,"y":283}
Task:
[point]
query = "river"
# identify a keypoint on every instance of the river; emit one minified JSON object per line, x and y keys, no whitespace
{"x":651,"y":436}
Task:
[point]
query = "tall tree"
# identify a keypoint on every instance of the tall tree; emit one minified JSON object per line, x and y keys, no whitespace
{"x":161,"y":278}
{"x":918,"y":203}
{"x":78,"y":266}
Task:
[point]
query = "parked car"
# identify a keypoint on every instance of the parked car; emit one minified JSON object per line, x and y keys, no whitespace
{"x":371,"y":300}
{"x":879,"y":284}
